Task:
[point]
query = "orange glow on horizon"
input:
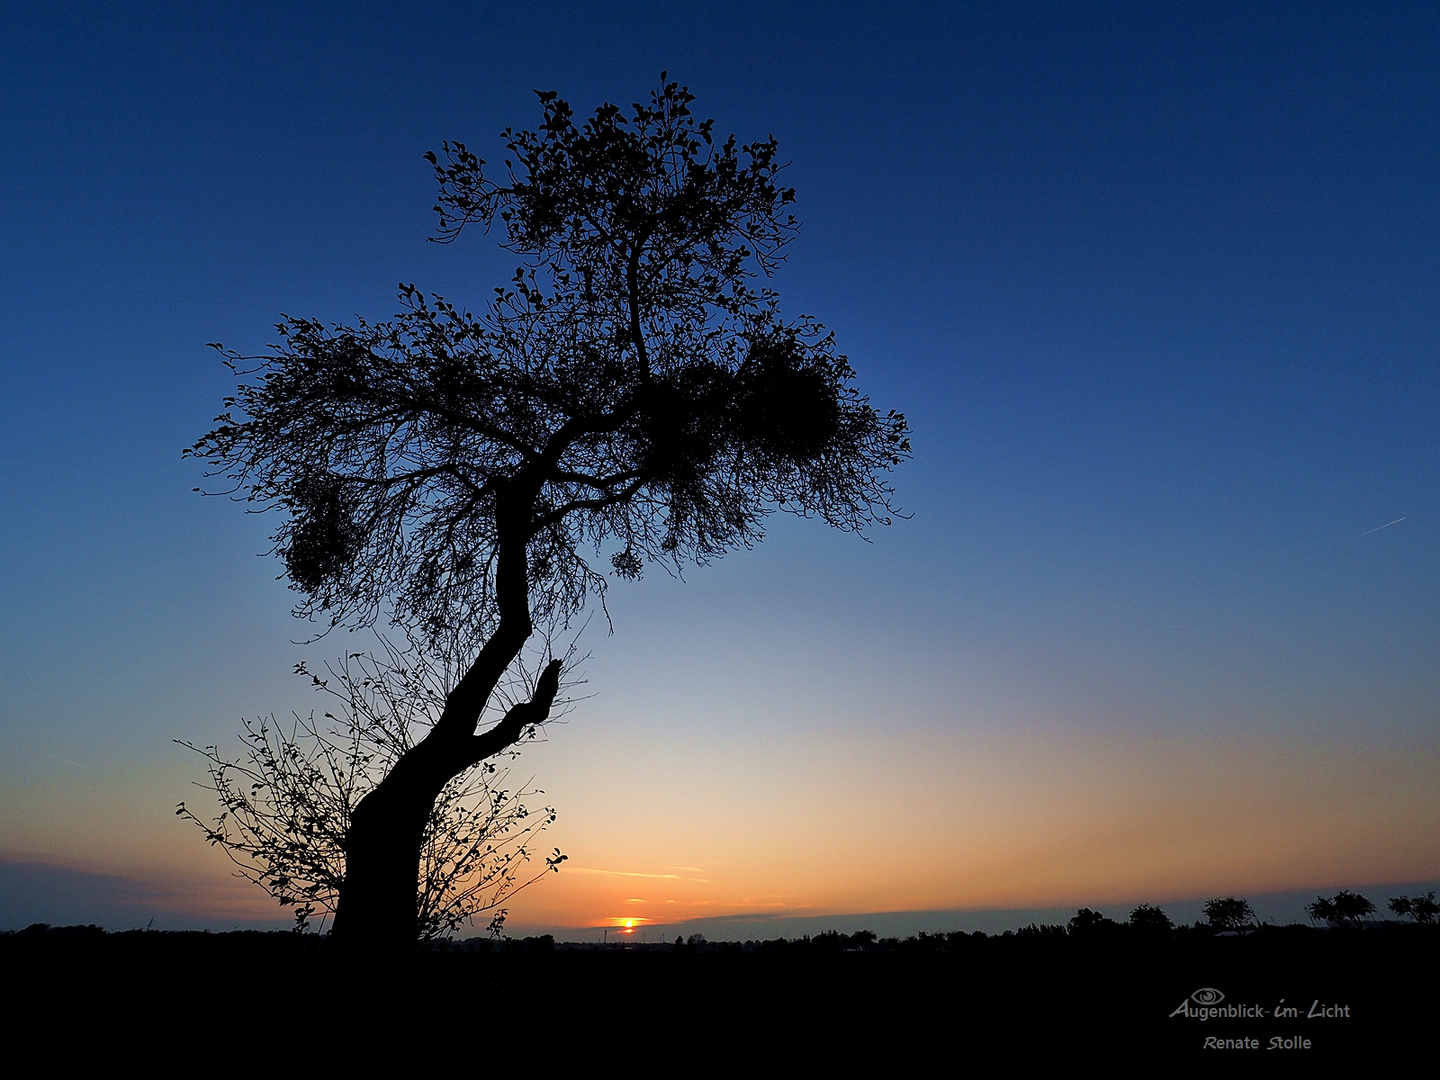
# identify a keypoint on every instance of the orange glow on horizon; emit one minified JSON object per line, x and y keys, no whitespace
{"x":971,"y":820}
{"x":1006,"y":821}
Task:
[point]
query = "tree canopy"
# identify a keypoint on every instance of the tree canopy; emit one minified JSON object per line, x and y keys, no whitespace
{"x":631,"y":393}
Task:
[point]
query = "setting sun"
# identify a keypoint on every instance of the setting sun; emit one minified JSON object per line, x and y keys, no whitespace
{"x":627,"y":924}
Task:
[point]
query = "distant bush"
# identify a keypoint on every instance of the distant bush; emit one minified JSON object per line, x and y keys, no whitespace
{"x":1086,"y":921}
{"x":1150,"y":918}
{"x":1345,"y":908}
{"x":1229,"y":913}
{"x":1423,"y":909}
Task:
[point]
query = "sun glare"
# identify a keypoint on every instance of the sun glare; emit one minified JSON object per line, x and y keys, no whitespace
{"x":627,"y":924}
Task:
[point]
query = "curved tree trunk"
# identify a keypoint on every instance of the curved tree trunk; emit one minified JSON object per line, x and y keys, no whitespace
{"x":377,"y":905}
{"x":378,"y":900}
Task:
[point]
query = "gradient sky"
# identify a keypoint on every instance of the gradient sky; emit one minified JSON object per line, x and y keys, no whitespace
{"x":1155,"y":284}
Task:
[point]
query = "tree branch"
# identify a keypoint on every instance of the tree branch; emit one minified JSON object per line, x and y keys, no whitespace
{"x":522,"y":716}
{"x":599,"y":483}
{"x":560,"y":512}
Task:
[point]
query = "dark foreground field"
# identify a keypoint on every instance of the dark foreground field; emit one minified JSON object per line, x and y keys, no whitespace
{"x":1277,"y":999}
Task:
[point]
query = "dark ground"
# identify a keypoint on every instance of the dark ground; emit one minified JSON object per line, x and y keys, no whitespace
{"x":1360,"y":997}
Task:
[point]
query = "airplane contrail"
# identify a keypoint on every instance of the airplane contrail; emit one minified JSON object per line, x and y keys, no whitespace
{"x":1377,"y":528}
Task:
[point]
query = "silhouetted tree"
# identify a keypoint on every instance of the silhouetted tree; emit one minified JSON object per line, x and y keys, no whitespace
{"x":631,"y":393}
{"x":1150,"y":918}
{"x":1229,"y":913}
{"x":1343,"y":909}
{"x":1423,"y":909}
{"x":1086,"y":922}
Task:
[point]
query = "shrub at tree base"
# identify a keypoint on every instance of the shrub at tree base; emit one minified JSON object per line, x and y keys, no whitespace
{"x":286,"y":805}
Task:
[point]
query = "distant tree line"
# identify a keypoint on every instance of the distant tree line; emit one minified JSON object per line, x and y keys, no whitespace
{"x":1345,"y":910}
{"x":1223,"y":914}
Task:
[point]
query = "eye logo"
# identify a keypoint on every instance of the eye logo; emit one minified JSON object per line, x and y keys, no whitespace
{"x":1207,"y":996}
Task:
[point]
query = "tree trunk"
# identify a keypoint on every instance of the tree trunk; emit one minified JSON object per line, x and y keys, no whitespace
{"x":378,"y":903}
{"x":379,"y":897}
{"x":377,"y":906}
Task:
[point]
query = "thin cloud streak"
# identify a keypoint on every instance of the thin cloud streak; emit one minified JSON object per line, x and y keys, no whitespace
{"x":1377,"y":528}
{"x":631,"y":873}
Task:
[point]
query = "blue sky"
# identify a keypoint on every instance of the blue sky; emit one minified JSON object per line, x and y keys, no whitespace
{"x":1155,"y":284}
